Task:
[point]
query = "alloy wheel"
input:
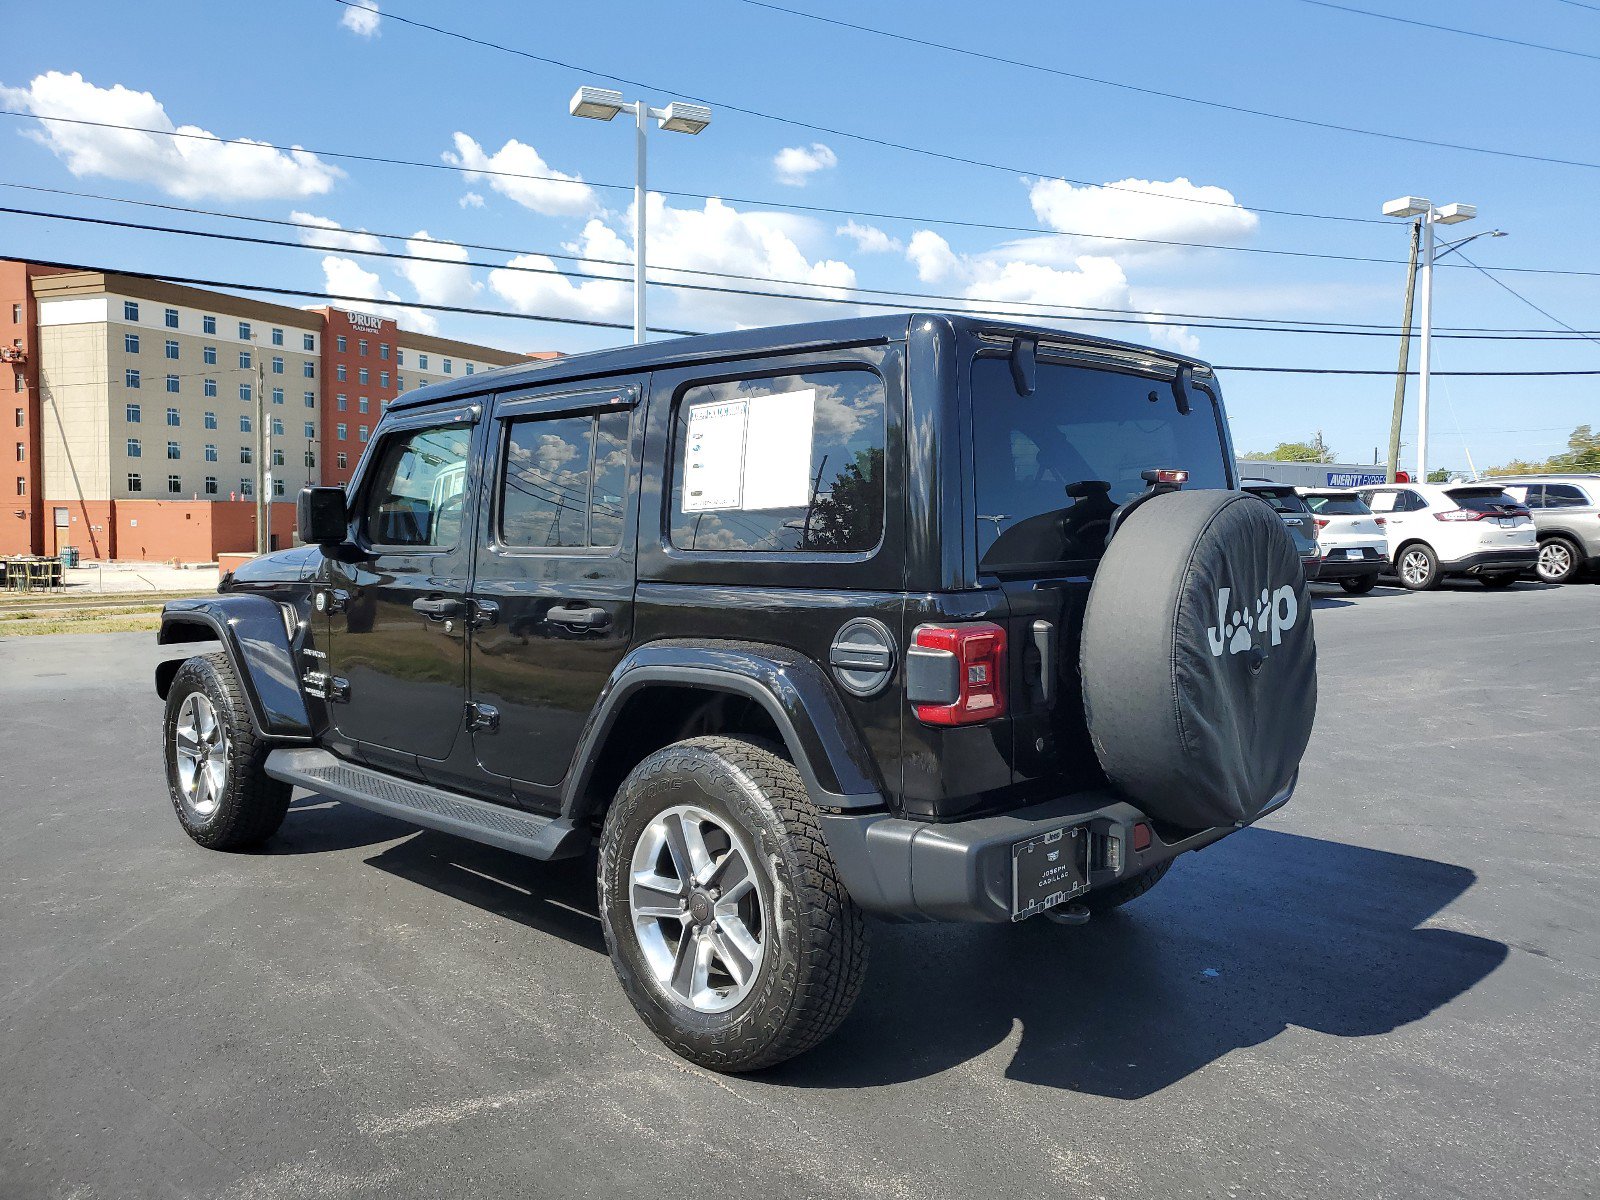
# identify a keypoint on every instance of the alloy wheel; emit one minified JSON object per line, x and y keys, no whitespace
{"x":696,"y":910}
{"x":1555,"y":562}
{"x":1415,"y":568}
{"x":200,"y":746}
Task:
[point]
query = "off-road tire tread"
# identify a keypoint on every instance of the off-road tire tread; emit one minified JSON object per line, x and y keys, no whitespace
{"x":256,"y":803}
{"x":832,"y":930}
{"x":1118,"y":894}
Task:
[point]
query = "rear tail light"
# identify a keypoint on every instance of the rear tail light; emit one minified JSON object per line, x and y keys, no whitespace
{"x":1141,"y":836}
{"x":1322,"y":522}
{"x":955,"y":674}
{"x":1382,"y":521}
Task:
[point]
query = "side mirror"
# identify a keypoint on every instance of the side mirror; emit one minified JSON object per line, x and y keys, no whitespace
{"x":322,"y":516}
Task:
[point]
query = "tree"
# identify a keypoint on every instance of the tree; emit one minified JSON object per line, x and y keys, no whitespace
{"x":1314,"y":451}
{"x":1441,"y":475}
{"x":1582,"y":457}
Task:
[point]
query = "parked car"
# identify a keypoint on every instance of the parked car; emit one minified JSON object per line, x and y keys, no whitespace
{"x":1297,"y":519}
{"x":777,"y":623}
{"x":1566,"y":517}
{"x":1355,"y":550}
{"x":1437,"y":530}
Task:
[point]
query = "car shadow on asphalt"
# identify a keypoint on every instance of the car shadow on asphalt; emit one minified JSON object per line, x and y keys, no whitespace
{"x":1255,"y":934}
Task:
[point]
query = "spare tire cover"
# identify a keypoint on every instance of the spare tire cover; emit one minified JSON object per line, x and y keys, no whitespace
{"x":1199,"y":664}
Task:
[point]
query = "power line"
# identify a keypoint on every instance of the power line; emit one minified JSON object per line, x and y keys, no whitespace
{"x":1390,"y":374}
{"x":1471,"y":33}
{"x":1165,"y":95}
{"x":1525,"y":300}
{"x":868,"y":139}
{"x":997,"y":308}
{"x":1581,"y":4}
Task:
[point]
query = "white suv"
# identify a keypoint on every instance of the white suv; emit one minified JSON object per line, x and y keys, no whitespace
{"x":1355,"y":550}
{"x":1439,"y":529}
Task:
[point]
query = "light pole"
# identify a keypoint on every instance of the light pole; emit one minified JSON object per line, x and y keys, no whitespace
{"x":1407,"y":208}
{"x":601,"y":104}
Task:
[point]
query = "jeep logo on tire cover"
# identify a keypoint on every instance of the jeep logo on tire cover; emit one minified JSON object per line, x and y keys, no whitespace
{"x":1236,"y":629}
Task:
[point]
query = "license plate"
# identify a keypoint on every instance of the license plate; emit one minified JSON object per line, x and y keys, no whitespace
{"x":1048,"y":869}
{"x":1507,"y":522}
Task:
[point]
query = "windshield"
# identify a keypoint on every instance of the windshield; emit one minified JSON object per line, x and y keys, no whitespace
{"x":1338,"y":506}
{"x":1052,"y":467}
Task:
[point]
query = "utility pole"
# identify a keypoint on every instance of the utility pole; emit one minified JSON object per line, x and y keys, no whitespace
{"x":1405,"y":354}
{"x":263,"y":476}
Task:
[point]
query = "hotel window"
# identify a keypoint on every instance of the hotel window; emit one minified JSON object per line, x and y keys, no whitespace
{"x":172,"y":348}
{"x":130,"y":343}
{"x":135,"y":448}
{"x":245,"y":393}
{"x":399,"y":357}
{"x":244,"y":425}
{"x":211,"y":485}
{"x":246,"y":455}
{"x":208,"y":325}
{"x":130,"y":310}
{"x":244,"y":360}
{"x":400,"y":383}
{"x":21,"y":420}
{"x":208,"y":355}
{"x":277,"y":426}
{"x":244,"y":331}
{"x":22,"y":486}
{"x":210,"y":420}
{"x":17,"y":382}
{"x":277,"y":487}
{"x":383,"y":350}
{"x":361,"y":347}
{"x":311,"y":459}
{"x":361,"y":432}
{"x":172,"y":384}
{"x":341,"y":374}
{"x":130,"y":377}
{"x":210,"y":387}
{"x":341,"y":460}
{"x":449,"y":367}
{"x":342,"y":343}
{"x":362,"y":404}
{"x":308,"y":342}
{"x":22,"y":452}
{"x":211,"y":452}
{"x":311,"y":399}
{"x":131,"y":412}
{"x":277,"y":395}
{"x":311,"y":430}
{"x":422,"y":362}
{"x":16,"y":316}
{"x":135,"y":482}
{"x":363,"y":376}
{"x":174,"y":451}
{"x":277,"y":364}
{"x":171,"y":318}
{"x":342,"y":430}
{"x":173,"y":418}
{"x":383,"y":379}
{"x":341,"y":402}
{"x":247,"y":487}
{"x":174,"y":484}
{"x":277,"y":458}
{"x":277,"y":337}
{"x":469,"y":368}
{"x":308,"y":369}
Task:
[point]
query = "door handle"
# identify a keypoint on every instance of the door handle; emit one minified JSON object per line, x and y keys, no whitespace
{"x":580,"y":616}
{"x":436,"y":608}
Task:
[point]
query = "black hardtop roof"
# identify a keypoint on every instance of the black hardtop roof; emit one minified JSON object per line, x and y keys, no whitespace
{"x":741,"y":343}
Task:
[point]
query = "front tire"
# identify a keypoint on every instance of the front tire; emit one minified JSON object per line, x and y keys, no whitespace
{"x":1559,"y":559}
{"x":1418,"y":568}
{"x":722,"y":908}
{"x":223,"y":797}
{"x":1359,"y":585}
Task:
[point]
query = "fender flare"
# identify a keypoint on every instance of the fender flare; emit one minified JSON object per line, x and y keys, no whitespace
{"x":256,"y":640}
{"x":818,"y":732}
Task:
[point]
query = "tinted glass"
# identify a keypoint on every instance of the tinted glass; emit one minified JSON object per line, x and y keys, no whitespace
{"x":1284,"y":502}
{"x":1481,"y":499}
{"x":1052,"y":467}
{"x":1564,"y":495}
{"x":781,"y":464}
{"x":418,"y":488}
{"x":610,"y":487}
{"x":1337,"y":506}
{"x":546,"y":497}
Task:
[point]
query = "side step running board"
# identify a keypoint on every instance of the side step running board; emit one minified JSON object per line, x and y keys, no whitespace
{"x":493,"y":824}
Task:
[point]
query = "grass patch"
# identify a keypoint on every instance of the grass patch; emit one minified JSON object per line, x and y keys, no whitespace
{"x":116,"y":621}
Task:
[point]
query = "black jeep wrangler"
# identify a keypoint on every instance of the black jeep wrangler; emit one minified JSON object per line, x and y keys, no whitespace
{"x":921,"y":616}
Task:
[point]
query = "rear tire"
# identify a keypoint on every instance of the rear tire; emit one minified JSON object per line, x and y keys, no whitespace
{"x":1103,"y":900}
{"x":1503,"y":580}
{"x":1559,"y":560}
{"x":1418,"y":568}
{"x":223,"y":797}
{"x":722,"y":908}
{"x":1359,"y":585}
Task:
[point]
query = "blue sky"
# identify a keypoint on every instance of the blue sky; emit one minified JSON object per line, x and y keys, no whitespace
{"x":297,"y":73}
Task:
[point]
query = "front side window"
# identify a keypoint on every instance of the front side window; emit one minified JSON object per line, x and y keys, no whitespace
{"x":418,"y":488}
{"x":1052,"y":467}
{"x":1565,"y":495}
{"x":564,"y":481}
{"x":781,"y":464}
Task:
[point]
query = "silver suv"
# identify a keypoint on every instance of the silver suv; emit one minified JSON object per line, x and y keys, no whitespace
{"x":1566,"y":514}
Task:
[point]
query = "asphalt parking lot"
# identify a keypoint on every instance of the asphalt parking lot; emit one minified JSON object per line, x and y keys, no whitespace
{"x":1391,"y":988}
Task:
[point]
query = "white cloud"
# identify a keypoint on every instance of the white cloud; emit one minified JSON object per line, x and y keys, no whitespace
{"x":190,"y":168}
{"x":537,"y":291}
{"x":330,"y":235}
{"x":471,"y":200}
{"x":432,"y":273}
{"x":932,"y":256}
{"x":361,"y":18}
{"x":869,"y":239}
{"x":551,"y":192}
{"x":1134,"y":208}
{"x":796,"y":165}
{"x":345,"y":277}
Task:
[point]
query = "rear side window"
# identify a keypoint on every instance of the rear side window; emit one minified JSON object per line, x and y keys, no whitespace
{"x":780,"y":464}
{"x":1565,"y":495}
{"x":1052,"y":467}
{"x":564,"y":481}
{"x":1337,"y":506}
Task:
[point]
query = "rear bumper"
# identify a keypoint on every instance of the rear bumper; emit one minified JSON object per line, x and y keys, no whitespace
{"x":1311,"y":567}
{"x":962,"y":871}
{"x":1494,"y":562}
{"x":1351,"y":568}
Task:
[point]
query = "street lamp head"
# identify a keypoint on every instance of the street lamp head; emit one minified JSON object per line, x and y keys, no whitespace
{"x":1454,"y":214}
{"x":599,"y":104}
{"x":1407,"y":206}
{"x":685,"y":118}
